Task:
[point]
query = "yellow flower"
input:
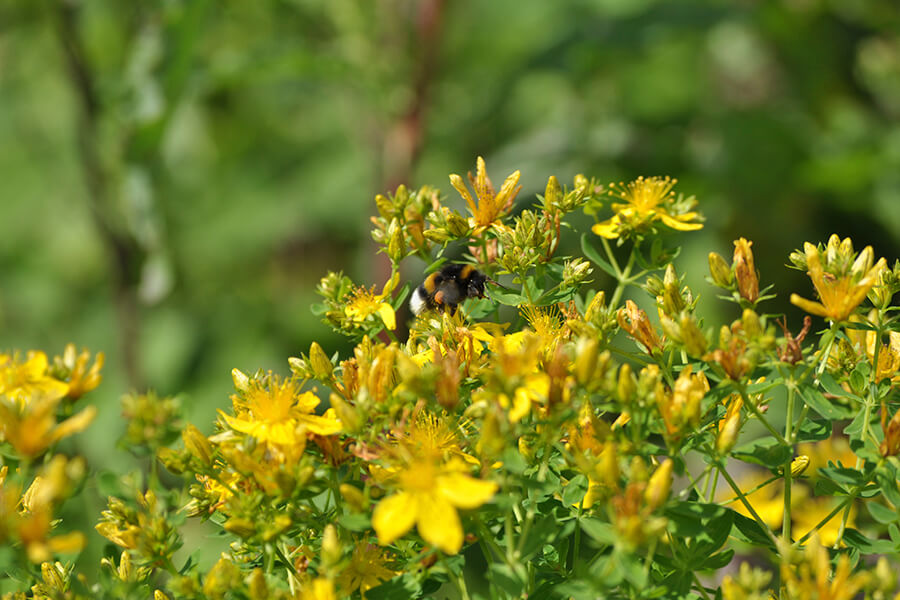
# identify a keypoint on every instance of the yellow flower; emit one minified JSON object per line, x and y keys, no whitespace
{"x":32,"y":428}
{"x":647,"y":200}
{"x":22,"y":381}
{"x":30,"y":519}
{"x":318,"y":589}
{"x":841,"y":286}
{"x":490,"y":206}
{"x":366,"y":302}
{"x":429,"y":498}
{"x":814,"y":577}
{"x":81,"y":379}
{"x":366,"y":569}
{"x":767,"y":501}
{"x":680,"y":408}
{"x":275,"y":412}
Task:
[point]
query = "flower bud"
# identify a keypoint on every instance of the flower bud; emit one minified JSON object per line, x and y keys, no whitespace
{"x":586,"y":351}
{"x":257,"y":587}
{"x":353,"y":497}
{"x":331,"y":546}
{"x":241,"y":381}
{"x":385,"y":206}
{"x":672,"y":300}
{"x":159,"y":595}
{"x":745,"y":270}
{"x":751,"y":324}
{"x":575,"y":271}
{"x":627,"y":385}
{"x":346,"y":413}
{"x":552,"y":193}
{"x":693,"y":339}
{"x":657,"y":491}
{"x":243,"y":528}
{"x":728,"y":432}
{"x":197,"y":444}
{"x":396,"y":246}
{"x":596,"y":306}
{"x":720,"y":271}
{"x":52,"y":575}
{"x":798,"y":465}
{"x":320,"y":363}
{"x":457,"y":225}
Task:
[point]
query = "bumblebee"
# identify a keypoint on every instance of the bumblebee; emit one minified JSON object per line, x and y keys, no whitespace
{"x":447,"y":288}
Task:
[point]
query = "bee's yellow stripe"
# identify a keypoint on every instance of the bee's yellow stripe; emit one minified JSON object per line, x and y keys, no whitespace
{"x":429,"y":283}
{"x":466,"y":272}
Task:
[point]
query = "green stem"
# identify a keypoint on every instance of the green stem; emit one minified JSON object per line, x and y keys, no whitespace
{"x":822,"y":523}
{"x":744,"y":501}
{"x":788,"y":424}
{"x":742,"y":389}
{"x":459,"y":581}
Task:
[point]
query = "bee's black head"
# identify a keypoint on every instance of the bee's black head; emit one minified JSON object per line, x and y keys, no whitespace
{"x":475,"y":285}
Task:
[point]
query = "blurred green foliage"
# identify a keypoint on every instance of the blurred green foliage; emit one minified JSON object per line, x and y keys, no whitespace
{"x":177,"y":175}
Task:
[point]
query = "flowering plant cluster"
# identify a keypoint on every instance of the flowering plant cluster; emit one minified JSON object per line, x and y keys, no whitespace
{"x":546,"y":441}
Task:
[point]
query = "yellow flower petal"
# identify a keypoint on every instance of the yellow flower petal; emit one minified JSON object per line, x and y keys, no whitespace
{"x":678,"y":223}
{"x":328,"y":424}
{"x":387,"y":315}
{"x":75,"y":423}
{"x":464,"y":491}
{"x":607,"y":228}
{"x":394,"y":516}
{"x":813,"y":308}
{"x":438,"y":524}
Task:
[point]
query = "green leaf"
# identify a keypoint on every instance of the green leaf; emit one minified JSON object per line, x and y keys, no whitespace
{"x":591,"y":253}
{"x":545,"y":531}
{"x":506,"y":579}
{"x":765,"y":451}
{"x":887,"y":481}
{"x":718,"y":561}
{"x":599,"y":531}
{"x":855,"y":539}
{"x":856,"y":426}
{"x":752,"y":531}
{"x":822,"y":405}
{"x":813,"y":431}
{"x":507,"y":298}
{"x":882,"y":513}
{"x":355,"y":522}
{"x":574,"y":492}
{"x":844,"y":476}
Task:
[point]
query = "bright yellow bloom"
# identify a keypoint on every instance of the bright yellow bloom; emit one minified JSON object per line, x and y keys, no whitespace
{"x":814,"y":577}
{"x":32,"y":428}
{"x":366,"y":569}
{"x":29,"y":518}
{"x":429,"y":498}
{"x":275,"y":411}
{"x":81,"y":379}
{"x":646,"y":200}
{"x":318,"y":589}
{"x":366,"y":302}
{"x":491,"y":206}
{"x":841,"y":286}
{"x":20,"y":382}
